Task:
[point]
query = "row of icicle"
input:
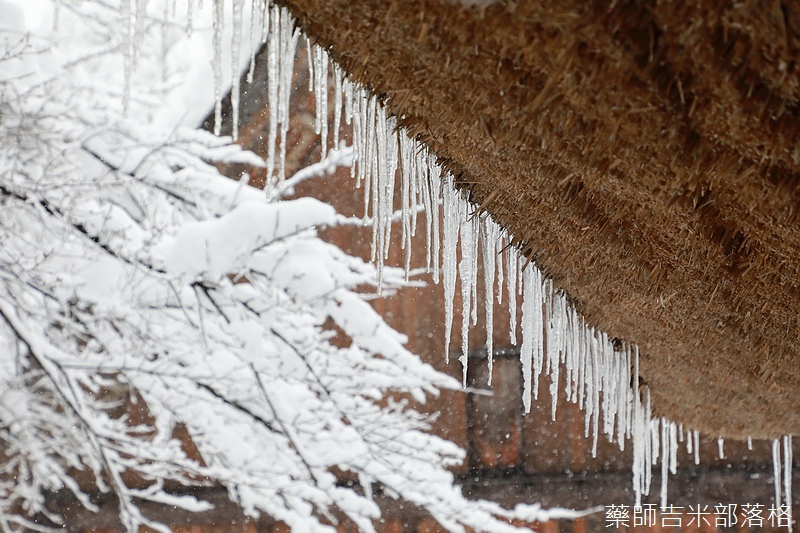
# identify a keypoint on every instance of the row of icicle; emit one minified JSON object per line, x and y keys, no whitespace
{"x":554,"y":335}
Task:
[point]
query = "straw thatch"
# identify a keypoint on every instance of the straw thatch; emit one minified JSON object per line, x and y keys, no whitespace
{"x":644,"y":153}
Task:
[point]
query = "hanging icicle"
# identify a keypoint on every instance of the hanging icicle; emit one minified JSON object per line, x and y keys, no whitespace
{"x":776,"y":470}
{"x":236,"y":44}
{"x":451,"y":227}
{"x":511,"y":279}
{"x":289,"y":36}
{"x":257,"y":25}
{"x":273,"y":77}
{"x":337,"y":104}
{"x":467,"y":275}
{"x":529,"y":317}
{"x":665,"y":454}
{"x":219,"y":21}
{"x":489,"y":238}
{"x":787,"y":475}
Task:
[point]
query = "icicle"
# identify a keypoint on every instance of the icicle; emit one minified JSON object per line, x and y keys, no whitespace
{"x":337,"y":103}
{"x":467,"y":274}
{"x":571,"y":347}
{"x":648,"y":444}
{"x":635,"y":380}
{"x":219,"y":21}
{"x":696,"y":447}
{"x":530,"y":317}
{"x":689,"y":441}
{"x":256,"y":28}
{"x":499,"y":252}
{"x":608,"y":394}
{"x":787,"y":474}
{"x":372,"y":166}
{"x":595,"y":347}
{"x":392,"y":151}
{"x":389,"y":174}
{"x":382,"y":197}
{"x":623,"y":413}
{"x":288,"y":45}
{"x":415,"y":187}
{"x":423,"y":172}
{"x":665,"y":455}
{"x":321,"y":96}
{"x":776,"y":470}
{"x":488,"y":239}
{"x":538,"y":327}
{"x":451,"y":227}
{"x":575,"y":354}
{"x":311,"y":66}
{"x":474,"y":222}
{"x":236,"y":44}
{"x":587,"y":381}
{"x":638,"y":453}
{"x":721,"y":447}
{"x":630,"y":392}
{"x":750,"y":443}
{"x":609,"y":367}
{"x":556,"y":325}
{"x":549,"y":316}
{"x":616,"y":370}
{"x":594,"y":381}
{"x":655,"y":439}
{"x":592,"y":371}
{"x":406,"y":202}
{"x":354,"y":102}
{"x":273,"y":73}
{"x":642,"y":449}
{"x":411,"y":196}
{"x":368,"y":169}
{"x":511,"y":278}
{"x":348,"y":101}
{"x":651,"y":452}
{"x":435,"y":191}
{"x":673,"y":448}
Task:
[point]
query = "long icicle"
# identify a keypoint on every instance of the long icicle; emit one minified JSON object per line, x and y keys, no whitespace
{"x":451,"y":227}
{"x":467,"y":275}
{"x":528,"y":333}
{"x":218,"y":22}
{"x":488,"y":235}
{"x":337,"y":104}
{"x":236,"y":45}
{"x":289,"y":36}
{"x":776,"y":470}
{"x":787,"y":474}
{"x":511,"y":279}
{"x":273,"y":76}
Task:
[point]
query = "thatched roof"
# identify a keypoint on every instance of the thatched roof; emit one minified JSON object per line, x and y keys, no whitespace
{"x":645,"y":154}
